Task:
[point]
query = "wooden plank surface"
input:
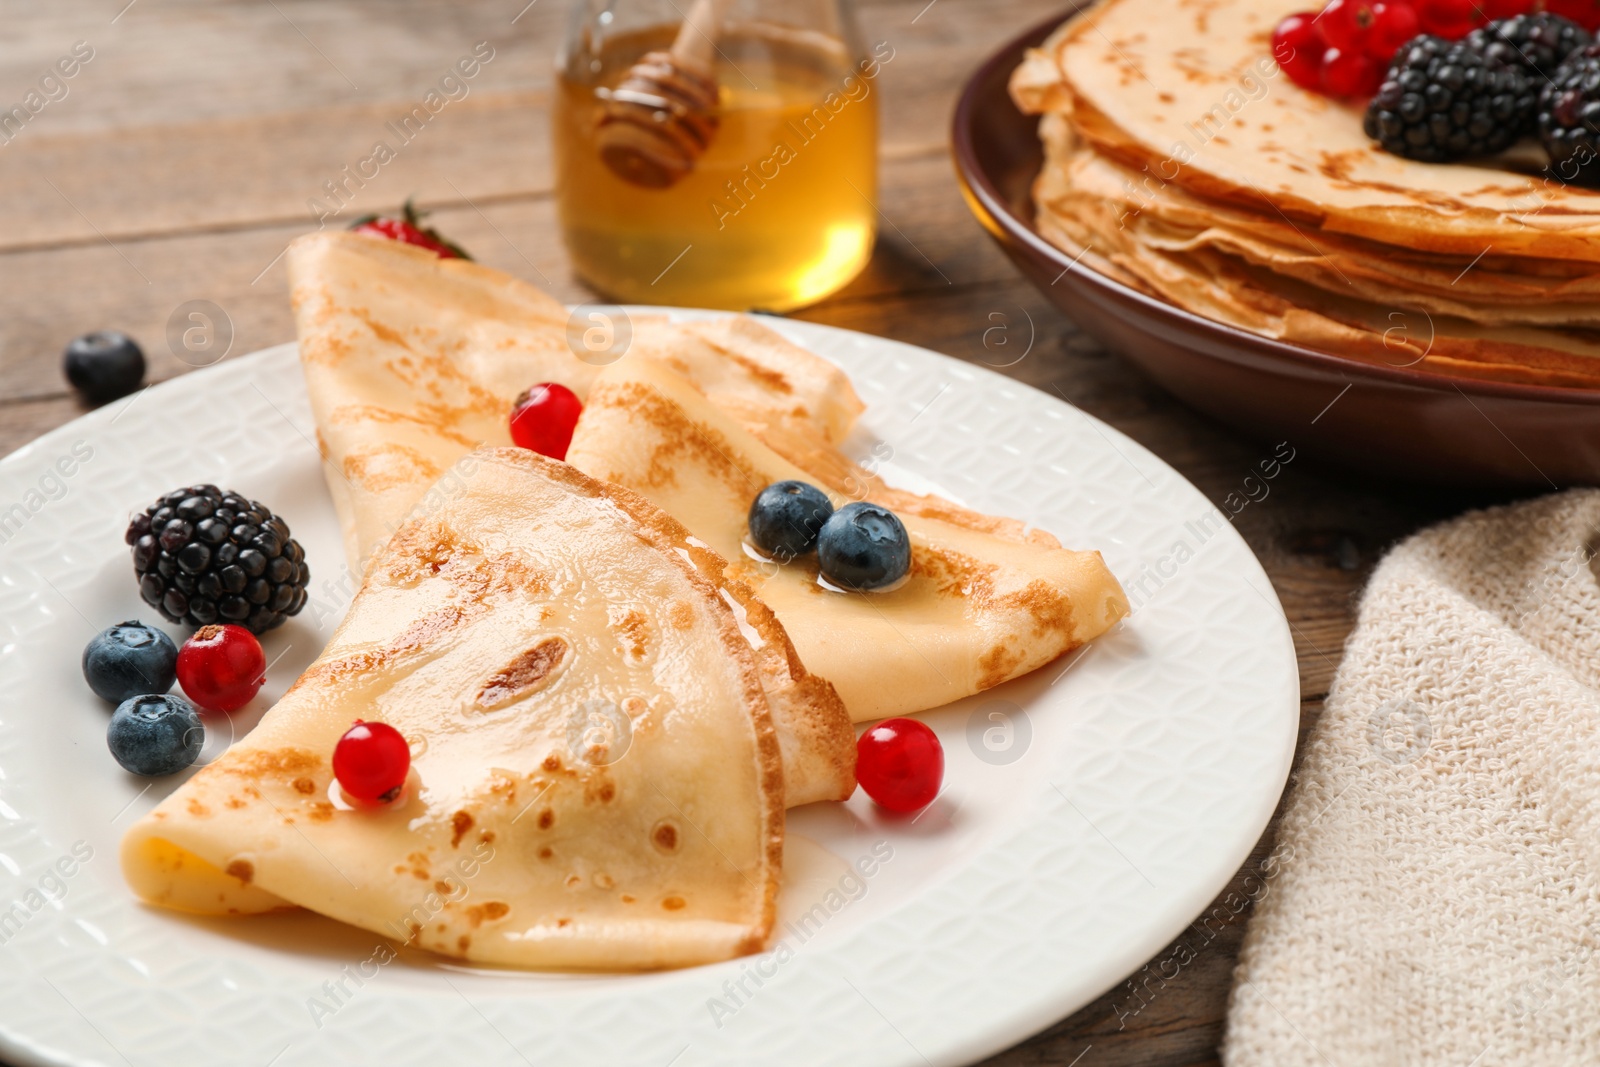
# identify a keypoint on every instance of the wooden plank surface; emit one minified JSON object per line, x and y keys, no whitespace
{"x":181,"y":160}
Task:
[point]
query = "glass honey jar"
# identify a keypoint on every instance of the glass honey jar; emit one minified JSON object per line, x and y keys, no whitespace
{"x":717,"y":154}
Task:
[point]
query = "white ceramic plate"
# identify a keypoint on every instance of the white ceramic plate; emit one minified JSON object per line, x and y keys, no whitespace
{"x":1091,"y":811}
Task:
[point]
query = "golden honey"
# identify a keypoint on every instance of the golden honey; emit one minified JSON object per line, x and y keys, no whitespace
{"x":777,"y":213}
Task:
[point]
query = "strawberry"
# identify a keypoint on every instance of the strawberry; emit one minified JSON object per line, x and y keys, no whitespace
{"x":409,"y":229}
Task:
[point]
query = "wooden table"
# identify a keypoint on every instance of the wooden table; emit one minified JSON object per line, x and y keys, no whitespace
{"x":181,"y":159}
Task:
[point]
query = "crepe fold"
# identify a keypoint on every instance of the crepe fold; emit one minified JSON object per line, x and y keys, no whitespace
{"x":411,"y":361}
{"x":597,"y":781}
{"x":986,"y":599}
{"x":1182,"y":162}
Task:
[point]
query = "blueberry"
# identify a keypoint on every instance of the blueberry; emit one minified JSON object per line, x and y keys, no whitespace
{"x":863,"y":547}
{"x":785,"y":518}
{"x":155,"y":735}
{"x":103,"y":365}
{"x":130,"y":659}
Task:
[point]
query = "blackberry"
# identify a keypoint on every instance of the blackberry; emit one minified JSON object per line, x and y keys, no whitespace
{"x":1536,"y":43}
{"x":1442,"y":101}
{"x":205,"y":556}
{"x":1569,"y":117}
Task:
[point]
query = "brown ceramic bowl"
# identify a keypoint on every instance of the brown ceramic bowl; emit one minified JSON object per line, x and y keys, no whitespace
{"x":1391,"y":422}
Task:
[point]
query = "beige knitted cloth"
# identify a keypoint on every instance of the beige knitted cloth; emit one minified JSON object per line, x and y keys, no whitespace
{"x":1435,"y":892}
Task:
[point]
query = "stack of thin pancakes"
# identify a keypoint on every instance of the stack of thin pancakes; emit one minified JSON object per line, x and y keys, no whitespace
{"x":610,"y":703}
{"x":1180,"y":161}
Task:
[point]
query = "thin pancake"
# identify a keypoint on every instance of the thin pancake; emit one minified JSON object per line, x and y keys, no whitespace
{"x":597,"y":782}
{"x":1496,"y":291}
{"x":986,"y":601}
{"x":1188,"y":90}
{"x":411,"y":361}
{"x":1229,"y":289}
{"x":1494,"y":317}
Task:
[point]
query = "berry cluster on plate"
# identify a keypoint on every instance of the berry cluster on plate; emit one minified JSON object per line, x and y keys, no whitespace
{"x":227,"y":565}
{"x":861,"y":548}
{"x":153,"y":731}
{"x":213,"y":560}
{"x":1453,"y":80}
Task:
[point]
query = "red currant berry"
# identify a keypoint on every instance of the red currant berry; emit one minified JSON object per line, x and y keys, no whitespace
{"x":1450,"y":19}
{"x":1349,"y":74}
{"x":544,"y":417}
{"x":1393,"y":24}
{"x":1297,"y":45}
{"x":1345,"y":24}
{"x":371,"y":761}
{"x":900,"y":764}
{"x":221,"y":668}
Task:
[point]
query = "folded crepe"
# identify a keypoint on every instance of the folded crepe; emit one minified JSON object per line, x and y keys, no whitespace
{"x":411,"y":361}
{"x":986,"y":599}
{"x":597,"y":779}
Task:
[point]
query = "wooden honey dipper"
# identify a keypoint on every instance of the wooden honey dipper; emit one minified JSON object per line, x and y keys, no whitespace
{"x":662,"y":116}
